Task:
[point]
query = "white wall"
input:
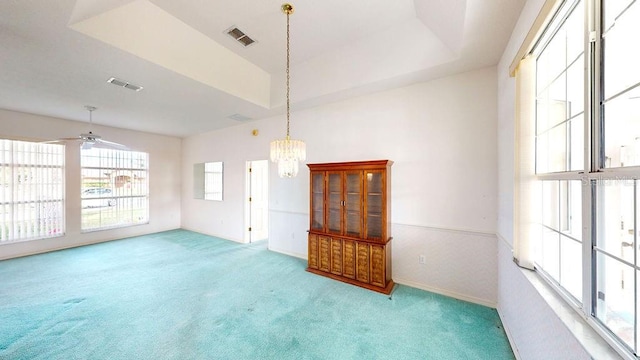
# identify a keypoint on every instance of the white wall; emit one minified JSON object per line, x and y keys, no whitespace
{"x":441,"y":136}
{"x":164,"y":175}
{"x":533,"y":328}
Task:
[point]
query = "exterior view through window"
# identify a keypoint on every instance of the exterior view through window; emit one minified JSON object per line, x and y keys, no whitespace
{"x":115,"y":188}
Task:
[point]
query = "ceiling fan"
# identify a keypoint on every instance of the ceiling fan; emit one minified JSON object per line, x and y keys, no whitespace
{"x":88,"y":140}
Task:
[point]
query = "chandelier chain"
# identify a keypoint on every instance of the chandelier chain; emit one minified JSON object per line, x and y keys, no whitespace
{"x":287,"y":152}
{"x":288,"y":78}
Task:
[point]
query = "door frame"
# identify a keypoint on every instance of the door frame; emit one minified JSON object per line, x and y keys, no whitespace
{"x":248,"y":235}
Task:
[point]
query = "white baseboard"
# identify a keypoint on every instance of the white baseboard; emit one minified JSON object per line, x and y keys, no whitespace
{"x":455,"y":295}
{"x":296,"y":255}
{"x":514,"y":349}
{"x":212,"y":234}
{"x":75,"y":245}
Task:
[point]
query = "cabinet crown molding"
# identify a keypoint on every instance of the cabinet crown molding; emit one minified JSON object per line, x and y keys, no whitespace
{"x":355,"y":165}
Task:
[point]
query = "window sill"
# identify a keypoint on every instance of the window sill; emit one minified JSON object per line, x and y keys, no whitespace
{"x":590,"y":339}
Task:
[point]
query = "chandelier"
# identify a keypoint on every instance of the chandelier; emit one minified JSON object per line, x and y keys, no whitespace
{"x":287,"y":152}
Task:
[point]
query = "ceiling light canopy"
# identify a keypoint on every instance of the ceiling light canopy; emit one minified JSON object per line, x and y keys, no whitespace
{"x":287,"y":152}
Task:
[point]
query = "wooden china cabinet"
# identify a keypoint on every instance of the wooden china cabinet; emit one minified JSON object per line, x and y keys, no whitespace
{"x":350,"y":229}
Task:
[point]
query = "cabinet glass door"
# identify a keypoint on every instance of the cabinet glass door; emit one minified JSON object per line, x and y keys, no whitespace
{"x":374,"y":188}
{"x":317,"y":201}
{"x":353,"y":203}
{"x":334,"y":203}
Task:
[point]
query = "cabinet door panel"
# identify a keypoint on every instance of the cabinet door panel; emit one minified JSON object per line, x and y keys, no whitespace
{"x":317,"y":201}
{"x":336,"y":256}
{"x":374,"y":227}
{"x":334,"y":205}
{"x":352,"y":224}
{"x":324,"y":253}
{"x":353,"y":203}
{"x":362,"y":262}
{"x":318,"y":220}
{"x":375,"y":205}
{"x":313,"y":251}
{"x":349,"y":258}
{"x":333,"y":225}
{"x":378,"y":271}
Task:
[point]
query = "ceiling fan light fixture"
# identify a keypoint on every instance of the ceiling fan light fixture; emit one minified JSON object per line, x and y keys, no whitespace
{"x":90,"y":139}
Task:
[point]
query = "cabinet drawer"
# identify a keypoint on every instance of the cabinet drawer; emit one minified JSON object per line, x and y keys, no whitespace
{"x":349,"y":259}
{"x":362,"y":262}
{"x":312,"y":258}
{"x":324,"y":253}
{"x":336,"y":256}
{"x":378,"y":269}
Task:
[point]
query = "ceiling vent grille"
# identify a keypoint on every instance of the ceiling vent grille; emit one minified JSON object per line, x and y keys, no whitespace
{"x":124,"y":84}
{"x":239,"y":36}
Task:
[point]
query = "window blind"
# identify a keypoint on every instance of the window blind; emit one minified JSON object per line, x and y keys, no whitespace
{"x":32,"y":190}
{"x":527,"y":190}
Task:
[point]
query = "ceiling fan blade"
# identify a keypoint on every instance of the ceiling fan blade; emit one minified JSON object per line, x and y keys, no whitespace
{"x":89,"y":140}
{"x":111,"y":144}
{"x":87,"y":145}
{"x":70,"y":138}
{"x":60,"y":141}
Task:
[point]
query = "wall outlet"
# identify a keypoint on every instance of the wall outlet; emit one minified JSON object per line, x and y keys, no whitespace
{"x":422,"y":260}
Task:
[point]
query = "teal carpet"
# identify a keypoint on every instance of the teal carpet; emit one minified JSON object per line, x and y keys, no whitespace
{"x":183,"y":295}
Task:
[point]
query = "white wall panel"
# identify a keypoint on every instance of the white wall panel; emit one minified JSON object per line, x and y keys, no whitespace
{"x":288,"y":233}
{"x":459,"y":264}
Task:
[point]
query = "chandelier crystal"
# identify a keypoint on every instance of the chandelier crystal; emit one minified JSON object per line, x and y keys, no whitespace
{"x":287,"y":152}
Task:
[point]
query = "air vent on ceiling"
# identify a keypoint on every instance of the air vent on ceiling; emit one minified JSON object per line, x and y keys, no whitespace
{"x":239,"y":36}
{"x":124,"y":84}
{"x":239,"y":117}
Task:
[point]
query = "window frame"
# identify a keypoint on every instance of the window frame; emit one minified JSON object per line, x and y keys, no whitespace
{"x":213,"y":189}
{"x":558,"y":19}
{"x":595,"y":170}
{"x":114,"y":155}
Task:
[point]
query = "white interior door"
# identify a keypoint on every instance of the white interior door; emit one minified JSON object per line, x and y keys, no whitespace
{"x":257,"y":200}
